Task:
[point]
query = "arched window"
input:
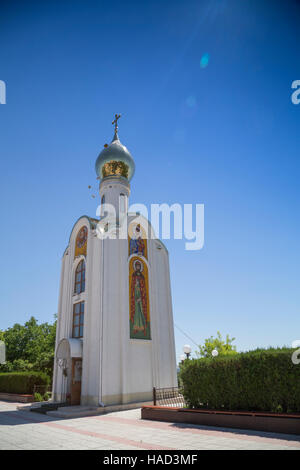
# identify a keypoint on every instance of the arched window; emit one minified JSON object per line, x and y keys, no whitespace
{"x":80,"y":278}
{"x":102,"y":204}
{"x":122,"y":203}
{"x":78,"y":320}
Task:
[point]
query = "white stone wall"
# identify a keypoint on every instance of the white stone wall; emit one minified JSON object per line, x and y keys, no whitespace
{"x":115,"y":368}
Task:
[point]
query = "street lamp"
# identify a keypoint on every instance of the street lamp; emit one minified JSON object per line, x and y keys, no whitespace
{"x":187,"y":350}
{"x":182,"y":358}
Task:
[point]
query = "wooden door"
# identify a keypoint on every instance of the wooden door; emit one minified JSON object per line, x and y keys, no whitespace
{"x":76,"y":381}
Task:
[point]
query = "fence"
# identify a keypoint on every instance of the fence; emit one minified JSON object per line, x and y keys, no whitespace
{"x":168,"y":397}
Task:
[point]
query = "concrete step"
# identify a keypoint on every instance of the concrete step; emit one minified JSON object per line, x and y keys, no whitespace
{"x":81,"y":411}
{"x":38,"y":404}
{"x":75,"y":411}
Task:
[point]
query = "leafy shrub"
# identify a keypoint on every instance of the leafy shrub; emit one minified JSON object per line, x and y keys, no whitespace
{"x":23,"y":382}
{"x":46,"y":396}
{"x":38,"y":397}
{"x":260,"y":380}
{"x":6,"y":367}
{"x":19,"y":365}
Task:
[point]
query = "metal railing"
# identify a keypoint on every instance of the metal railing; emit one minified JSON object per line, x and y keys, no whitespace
{"x":170,"y":396}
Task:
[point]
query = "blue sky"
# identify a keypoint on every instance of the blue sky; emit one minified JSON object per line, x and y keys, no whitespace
{"x":204,"y":88}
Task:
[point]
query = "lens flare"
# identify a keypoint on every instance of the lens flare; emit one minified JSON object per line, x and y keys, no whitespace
{"x":204,"y":61}
{"x":191,"y":101}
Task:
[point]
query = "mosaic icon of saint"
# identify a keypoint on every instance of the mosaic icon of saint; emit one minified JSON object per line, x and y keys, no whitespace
{"x":138,"y":300}
{"x":137,"y":245}
{"x":81,"y":237}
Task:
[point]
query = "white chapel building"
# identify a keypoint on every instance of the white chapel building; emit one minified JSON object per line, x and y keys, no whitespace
{"x":115,"y":333}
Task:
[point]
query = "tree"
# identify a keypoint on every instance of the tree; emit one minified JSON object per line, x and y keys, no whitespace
{"x":30,"y":346}
{"x":224,"y":348}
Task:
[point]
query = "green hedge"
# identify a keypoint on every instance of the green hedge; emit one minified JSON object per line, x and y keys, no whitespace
{"x":261,"y":380}
{"x":23,"y":382}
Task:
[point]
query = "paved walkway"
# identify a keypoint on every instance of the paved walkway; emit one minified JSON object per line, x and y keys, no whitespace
{"x":125,"y":430}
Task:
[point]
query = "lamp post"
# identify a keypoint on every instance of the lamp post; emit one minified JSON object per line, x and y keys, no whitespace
{"x":182,"y":358}
{"x":187,"y":350}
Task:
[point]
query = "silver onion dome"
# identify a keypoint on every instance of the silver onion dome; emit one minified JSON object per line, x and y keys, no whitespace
{"x":115,"y":159}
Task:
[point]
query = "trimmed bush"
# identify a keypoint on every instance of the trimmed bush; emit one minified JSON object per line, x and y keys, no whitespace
{"x":23,"y":382}
{"x":260,"y":380}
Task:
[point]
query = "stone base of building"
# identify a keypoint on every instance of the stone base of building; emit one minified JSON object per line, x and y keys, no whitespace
{"x":125,"y":398}
{"x":109,"y":400}
{"x":82,"y":411}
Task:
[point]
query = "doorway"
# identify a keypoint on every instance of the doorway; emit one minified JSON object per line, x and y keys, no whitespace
{"x":76,"y":381}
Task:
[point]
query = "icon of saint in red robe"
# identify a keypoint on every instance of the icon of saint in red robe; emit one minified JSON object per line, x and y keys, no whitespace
{"x":138,"y":301}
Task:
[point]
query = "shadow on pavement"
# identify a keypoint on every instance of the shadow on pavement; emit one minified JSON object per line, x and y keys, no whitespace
{"x":243,"y":432}
{"x":16,"y":417}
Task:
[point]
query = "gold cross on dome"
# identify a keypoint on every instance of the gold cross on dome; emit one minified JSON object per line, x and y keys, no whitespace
{"x":115,"y":122}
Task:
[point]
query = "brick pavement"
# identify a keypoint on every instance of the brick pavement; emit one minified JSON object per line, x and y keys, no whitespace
{"x":125,"y":430}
